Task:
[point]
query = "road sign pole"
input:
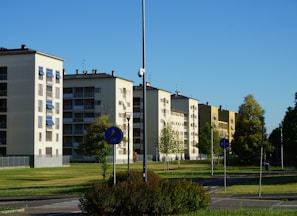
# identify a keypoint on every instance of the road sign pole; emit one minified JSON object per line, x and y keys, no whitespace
{"x":114,"y":165}
{"x":225,"y":176}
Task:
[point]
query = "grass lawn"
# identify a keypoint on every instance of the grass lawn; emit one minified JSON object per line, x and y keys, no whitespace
{"x":78,"y":176}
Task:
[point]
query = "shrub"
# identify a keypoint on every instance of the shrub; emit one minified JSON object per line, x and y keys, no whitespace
{"x":159,"y":197}
{"x":135,"y":177}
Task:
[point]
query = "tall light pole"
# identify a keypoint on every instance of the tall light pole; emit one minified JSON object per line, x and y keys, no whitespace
{"x":211,"y":148}
{"x":128,"y":118}
{"x":141,"y":73}
{"x":261,"y":156}
{"x":282,"y":148}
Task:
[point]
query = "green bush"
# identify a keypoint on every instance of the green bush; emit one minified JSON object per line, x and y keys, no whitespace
{"x":158,"y":197}
{"x":135,"y":177}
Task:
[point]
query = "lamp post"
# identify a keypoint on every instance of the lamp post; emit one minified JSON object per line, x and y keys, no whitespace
{"x":211,"y":148}
{"x":282,"y":148}
{"x":261,"y":156}
{"x":141,"y":73}
{"x":128,"y":118}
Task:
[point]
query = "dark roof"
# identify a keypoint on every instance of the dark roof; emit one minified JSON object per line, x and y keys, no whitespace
{"x":93,"y":75}
{"x":148,"y":87}
{"x":24,"y":50}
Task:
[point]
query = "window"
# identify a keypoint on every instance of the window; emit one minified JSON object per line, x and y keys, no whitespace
{"x":49,"y":151}
{"x":97,"y":90}
{"x":2,"y":121}
{"x":57,"y":123}
{"x":40,"y":89}
{"x":3,"y":137}
{"x":57,"y":108}
{"x":3,"y":105}
{"x":3,"y":89}
{"x":57,"y":137}
{"x":58,"y":76}
{"x":39,"y":121}
{"x":49,"y":104}
{"x":97,"y":102}
{"x":40,"y":71}
{"x":49,"y":136}
{"x":49,"y":91}
{"x":57,"y":92}
{"x":3,"y":73}
{"x":49,"y":121}
{"x":40,"y":136}
{"x":49,"y":73}
{"x":40,"y":106}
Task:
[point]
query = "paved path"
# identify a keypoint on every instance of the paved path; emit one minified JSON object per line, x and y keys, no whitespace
{"x":69,"y":206}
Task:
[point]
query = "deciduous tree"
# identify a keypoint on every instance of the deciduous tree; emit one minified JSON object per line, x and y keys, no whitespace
{"x":290,"y":135}
{"x":94,"y":143}
{"x":248,"y":131}
{"x":168,"y":142}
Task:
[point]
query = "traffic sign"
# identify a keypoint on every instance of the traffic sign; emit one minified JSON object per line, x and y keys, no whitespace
{"x":113,"y":135}
{"x":224,"y":143}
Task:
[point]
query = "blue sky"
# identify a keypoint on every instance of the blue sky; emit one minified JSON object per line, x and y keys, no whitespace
{"x":216,"y":51}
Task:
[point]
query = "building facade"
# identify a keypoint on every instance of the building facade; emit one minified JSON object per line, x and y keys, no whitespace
{"x":163,"y":109}
{"x":189,"y":106}
{"x":222,"y":121}
{"x":89,"y":95}
{"x":31,"y":85}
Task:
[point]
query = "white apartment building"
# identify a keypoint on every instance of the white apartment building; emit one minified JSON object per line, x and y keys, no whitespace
{"x":162,"y":109}
{"x":31,"y":85}
{"x":88,"y":95}
{"x":189,"y":106}
{"x":158,"y":113}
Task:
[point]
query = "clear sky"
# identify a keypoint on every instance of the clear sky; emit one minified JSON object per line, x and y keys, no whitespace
{"x":216,"y":51}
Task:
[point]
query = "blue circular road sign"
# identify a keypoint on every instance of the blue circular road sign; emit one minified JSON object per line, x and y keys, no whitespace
{"x":113,"y":135}
{"x":224,"y":143}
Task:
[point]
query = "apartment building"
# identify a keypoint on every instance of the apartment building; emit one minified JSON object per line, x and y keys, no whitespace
{"x":31,"y":85}
{"x":158,"y":114}
{"x":88,"y":95}
{"x":165,"y":109}
{"x":223,"y":121}
{"x":189,"y":106}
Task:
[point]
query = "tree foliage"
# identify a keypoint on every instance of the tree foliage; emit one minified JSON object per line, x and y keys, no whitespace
{"x":168,"y":142}
{"x":94,"y":143}
{"x":248,"y":132}
{"x":204,"y":144}
{"x":290,"y":136}
{"x":275,"y":142}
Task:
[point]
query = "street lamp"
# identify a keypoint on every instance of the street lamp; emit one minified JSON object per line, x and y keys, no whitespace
{"x":211,"y":148}
{"x":128,"y":118}
{"x":141,"y":73}
{"x":282,"y":148}
{"x":261,"y":154}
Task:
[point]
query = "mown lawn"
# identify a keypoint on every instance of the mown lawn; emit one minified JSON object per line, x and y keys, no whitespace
{"x":79,"y":176}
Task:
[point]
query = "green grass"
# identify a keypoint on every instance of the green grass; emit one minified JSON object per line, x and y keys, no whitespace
{"x":245,"y":212}
{"x":78,"y":176}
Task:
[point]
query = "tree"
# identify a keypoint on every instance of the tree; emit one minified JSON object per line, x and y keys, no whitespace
{"x":248,"y":131}
{"x":168,"y":142}
{"x":94,"y":143}
{"x":275,"y":142}
{"x":290,"y":135}
{"x":204,"y":144}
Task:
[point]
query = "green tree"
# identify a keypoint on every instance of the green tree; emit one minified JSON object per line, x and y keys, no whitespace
{"x":204,"y":144}
{"x":275,"y":142}
{"x":248,"y":131}
{"x":290,"y":135}
{"x":168,"y":142}
{"x":94,"y":143}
